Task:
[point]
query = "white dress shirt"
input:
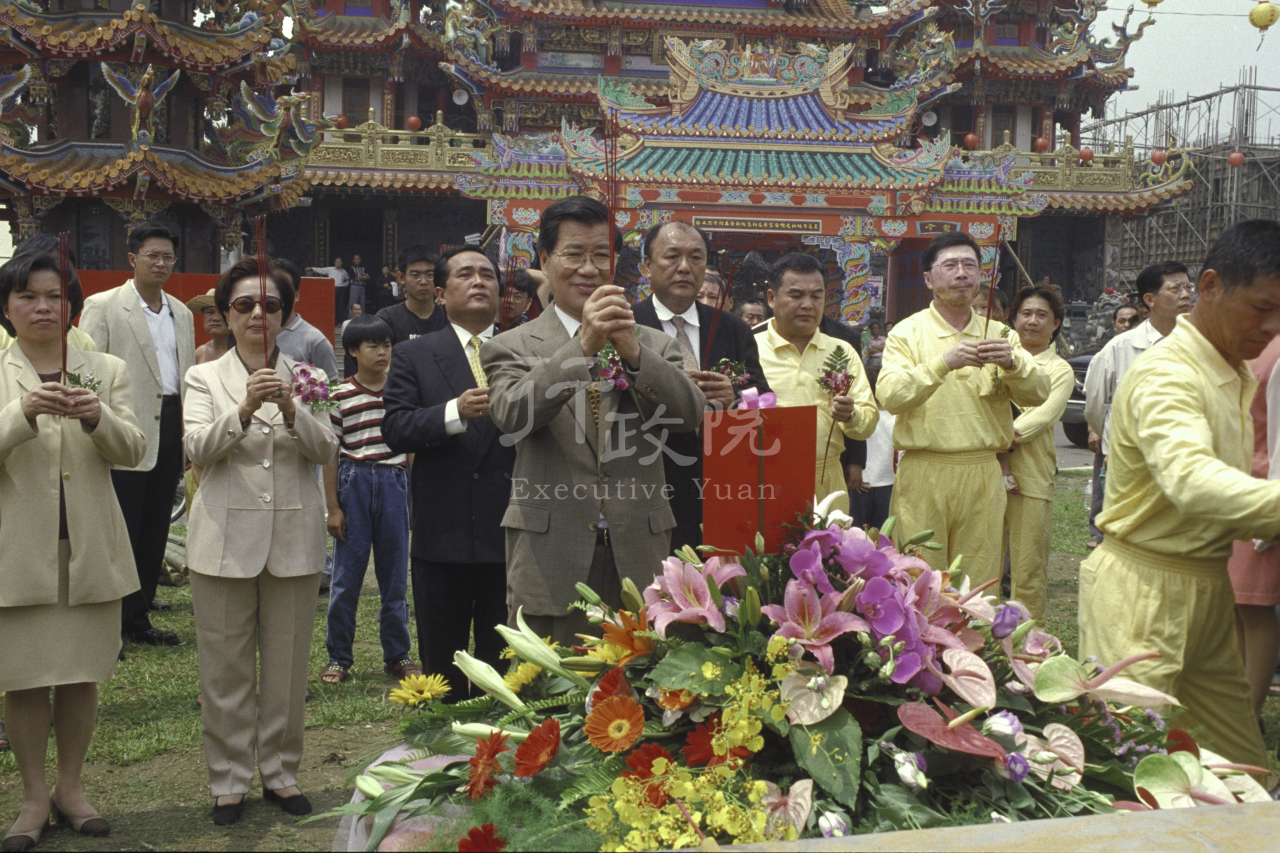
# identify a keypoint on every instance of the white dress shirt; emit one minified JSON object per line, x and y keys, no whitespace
{"x":1107,"y":368}
{"x":691,"y":329}
{"x":570,"y":325}
{"x":453,"y":422}
{"x":164,"y":337}
{"x":340,"y":276}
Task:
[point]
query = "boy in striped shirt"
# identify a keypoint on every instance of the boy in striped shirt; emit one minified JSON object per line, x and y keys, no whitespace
{"x":367,"y":488}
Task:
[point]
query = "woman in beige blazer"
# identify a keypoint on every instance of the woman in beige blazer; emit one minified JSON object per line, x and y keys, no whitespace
{"x":255,"y":547}
{"x":65,"y":560}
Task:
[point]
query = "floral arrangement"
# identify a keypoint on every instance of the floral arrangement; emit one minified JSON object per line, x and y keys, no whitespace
{"x":735,"y":370}
{"x":841,"y":686}
{"x":89,"y":382}
{"x":609,"y":366}
{"x":310,"y":386}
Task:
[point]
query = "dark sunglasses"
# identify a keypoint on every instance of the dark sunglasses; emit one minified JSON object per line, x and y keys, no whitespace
{"x":246,"y":304}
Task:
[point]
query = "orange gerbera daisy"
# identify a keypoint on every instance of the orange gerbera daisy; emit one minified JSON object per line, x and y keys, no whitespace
{"x":675,"y":700}
{"x":641,"y":764}
{"x":625,"y":636}
{"x":615,"y":724}
{"x":538,"y":749}
{"x":483,"y":767}
{"x":698,"y":750}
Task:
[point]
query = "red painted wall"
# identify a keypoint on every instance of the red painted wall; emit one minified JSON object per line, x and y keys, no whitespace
{"x":315,"y":304}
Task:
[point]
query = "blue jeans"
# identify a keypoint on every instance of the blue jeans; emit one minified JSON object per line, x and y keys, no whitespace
{"x":375,"y":501}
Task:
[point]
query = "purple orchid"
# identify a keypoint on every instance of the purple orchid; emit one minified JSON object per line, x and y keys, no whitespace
{"x":806,"y":565}
{"x":908,"y":666}
{"x":1006,"y":622}
{"x":881,"y":603}
{"x":812,"y":622}
{"x":682,"y":594}
{"x":860,"y":559}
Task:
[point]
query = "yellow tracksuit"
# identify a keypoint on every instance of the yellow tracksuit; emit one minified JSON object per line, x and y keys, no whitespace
{"x":950,"y":425}
{"x":76,"y":339}
{"x":1028,"y":516}
{"x":793,"y":376}
{"x":1179,"y":492}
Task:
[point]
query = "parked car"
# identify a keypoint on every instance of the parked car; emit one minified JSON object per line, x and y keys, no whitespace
{"x":1074,"y":425}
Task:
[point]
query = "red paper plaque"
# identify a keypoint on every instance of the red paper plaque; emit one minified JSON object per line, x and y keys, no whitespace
{"x":758,"y":472}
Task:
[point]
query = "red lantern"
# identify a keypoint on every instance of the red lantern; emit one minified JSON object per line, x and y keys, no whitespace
{"x":1042,"y":144}
{"x":971,"y":140}
{"x":413,"y":123}
{"x":1235,"y":159}
{"x":341,"y":123}
{"x":1086,"y":154}
{"x":1159,"y":157}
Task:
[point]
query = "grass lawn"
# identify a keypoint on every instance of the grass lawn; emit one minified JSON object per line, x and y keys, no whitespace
{"x":146,"y":771}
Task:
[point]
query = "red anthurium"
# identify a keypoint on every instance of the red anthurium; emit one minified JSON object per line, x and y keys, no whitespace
{"x":482,"y":839}
{"x":1181,"y":741}
{"x":538,"y":749}
{"x":926,"y":722}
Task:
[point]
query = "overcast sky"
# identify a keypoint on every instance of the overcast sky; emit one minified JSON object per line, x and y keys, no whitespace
{"x":1194,"y":47}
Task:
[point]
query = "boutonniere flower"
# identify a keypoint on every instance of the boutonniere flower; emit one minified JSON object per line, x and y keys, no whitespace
{"x":89,"y":382}
{"x":310,"y":388}
{"x":735,"y":370}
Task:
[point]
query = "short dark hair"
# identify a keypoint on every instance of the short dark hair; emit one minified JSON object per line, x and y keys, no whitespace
{"x":946,"y":241}
{"x":1049,"y":293}
{"x":740,"y":306}
{"x":247,"y":267}
{"x":796,"y":262}
{"x":581,"y":209}
{"x":1151,"y":279}
{"x":1115,"y":315}
{"x":291,"y":269}
{"x":148,"y":231}
{"x":1002,"y":299}
{"x":415,"y":254}
{"x":442,"y":263}
{"x":1245,"y":251}
{"x":369,"y":327}
{"x":15,"y":275}
{"x":646,"y":249}
{"x":43,"y":244}
{"x":520,"y":281}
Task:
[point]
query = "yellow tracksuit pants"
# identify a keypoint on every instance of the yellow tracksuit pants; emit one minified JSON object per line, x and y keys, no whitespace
{"x":1029,"y":523}
{"x":1133,"y":600}
{"x":960,"y":498}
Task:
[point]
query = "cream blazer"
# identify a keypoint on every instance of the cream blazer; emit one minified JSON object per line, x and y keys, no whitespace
{"x":33,"y":460}
{"x":115,"y":321}
{"x":259,"y":505}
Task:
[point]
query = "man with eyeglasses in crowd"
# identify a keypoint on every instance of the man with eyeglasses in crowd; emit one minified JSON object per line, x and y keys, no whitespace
{"x":949,"y":378}
{"x":154,"y":333}
{"x":1166,"y":289}
{"x":418,"y":314}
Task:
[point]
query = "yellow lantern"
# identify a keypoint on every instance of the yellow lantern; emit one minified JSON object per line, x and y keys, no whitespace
{"x":1263,"y":16}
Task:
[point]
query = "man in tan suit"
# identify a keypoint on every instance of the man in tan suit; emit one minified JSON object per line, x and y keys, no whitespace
{"x":154,"y":334}
{"x":589,"y":502}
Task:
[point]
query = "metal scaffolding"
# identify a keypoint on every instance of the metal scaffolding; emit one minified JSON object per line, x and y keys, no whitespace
{"x":1207,"y":128}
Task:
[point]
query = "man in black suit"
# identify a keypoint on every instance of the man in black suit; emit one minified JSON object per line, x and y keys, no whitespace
{"x":675,"y":261}
{"x":437,"y":408}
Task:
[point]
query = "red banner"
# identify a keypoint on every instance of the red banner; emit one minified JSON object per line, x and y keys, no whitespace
{"x":758,"y":474}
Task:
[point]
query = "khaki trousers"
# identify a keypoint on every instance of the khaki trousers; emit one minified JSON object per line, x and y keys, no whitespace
{"x":244,"y":626}
{"x":959,"y":496}
{"x":1133,"y":600}
{"x":1030,"y":525}
{"x":603,"y":580}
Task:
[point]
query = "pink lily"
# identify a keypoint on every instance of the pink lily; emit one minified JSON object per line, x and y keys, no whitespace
{"x":681,"y":593}
{"x":811,"y":621}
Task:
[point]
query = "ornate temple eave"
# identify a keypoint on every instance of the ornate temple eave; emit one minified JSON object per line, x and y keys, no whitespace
{"x":321,"y":177}
{"x":1134,"y":201}
{"x":115,"y":36}
{"x":522,"y":82}
{"x":828,"y":16}
{"x":354,"y":32}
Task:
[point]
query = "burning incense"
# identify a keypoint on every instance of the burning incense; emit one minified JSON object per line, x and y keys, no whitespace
{"x":260,"y":236}
{"x":512,"y":266}
{"x":721,"y":298}
{"x":64,"y":302}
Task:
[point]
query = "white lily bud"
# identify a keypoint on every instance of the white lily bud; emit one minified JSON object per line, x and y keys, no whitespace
{"x":369,"y":786}
{"x":487,"y":679}
{"x":479,"y":730}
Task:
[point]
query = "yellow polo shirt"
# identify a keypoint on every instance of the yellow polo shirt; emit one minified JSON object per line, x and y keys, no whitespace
{"x":793,"y":376}
{"x":1035,"y":463}
{"x":76,"y":339}
{"x":953,"y":411}
{"x":1178,"y":475}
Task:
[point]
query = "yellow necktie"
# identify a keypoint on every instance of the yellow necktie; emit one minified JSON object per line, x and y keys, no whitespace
{"x":477,"y":371}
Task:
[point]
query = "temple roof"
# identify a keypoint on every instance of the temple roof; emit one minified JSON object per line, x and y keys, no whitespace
{"x":817,"y":14}
{"x":576,"y":84}
{"x":356,"y":31}
{"x":99,"y":34}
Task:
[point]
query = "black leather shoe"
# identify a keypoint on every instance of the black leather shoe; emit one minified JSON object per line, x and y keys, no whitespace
{"x":154,"y":637}
{"x":227,"y":815}
{"x":297,"y":805}
{"x":159,"y":605}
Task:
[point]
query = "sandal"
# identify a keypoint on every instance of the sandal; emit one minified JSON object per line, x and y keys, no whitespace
{"x":335,"y":673}
{"x":403,"y":668}
{"x":93,"y":826}
{"x":1093,"y":542}
{"x":20,"y":842}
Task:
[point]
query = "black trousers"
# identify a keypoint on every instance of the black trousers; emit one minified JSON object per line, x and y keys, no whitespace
{"x":146,"y":498}
{"x":447,"y":598}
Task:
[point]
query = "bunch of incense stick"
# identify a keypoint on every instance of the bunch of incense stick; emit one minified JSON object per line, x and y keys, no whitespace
{"x":511,"y":267}
{"x":726,"y":279}
{"x":260,"y":237}
{"x":64,"y":301}
{"x":609,"y":130}
{"x":991,"y":304}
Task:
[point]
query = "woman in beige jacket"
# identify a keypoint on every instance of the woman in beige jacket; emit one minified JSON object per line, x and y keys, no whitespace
{"x":65,"y":560}
{"x":255,"y":546}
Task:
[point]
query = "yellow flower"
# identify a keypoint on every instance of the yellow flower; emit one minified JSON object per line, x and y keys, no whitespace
{"x":523,"y":676}
{"x":711,"y":672}
{"x":420,"y":688}
{"x":607,"y":652}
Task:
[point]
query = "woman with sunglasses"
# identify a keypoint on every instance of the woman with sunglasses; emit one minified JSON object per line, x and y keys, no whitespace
{"x":255,"y":546}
